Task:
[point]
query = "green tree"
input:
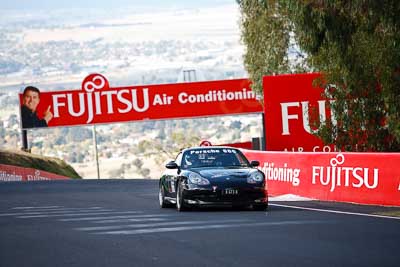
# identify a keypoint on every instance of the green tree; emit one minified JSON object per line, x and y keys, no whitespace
{"x":355,"y":44}
{"x":138,"y":163}
{"x":266,"y":36}
{"x":145,"y":172}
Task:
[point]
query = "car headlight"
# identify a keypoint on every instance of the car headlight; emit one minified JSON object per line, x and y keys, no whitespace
{"x":255,"y":177}
{"x":195,"y":178}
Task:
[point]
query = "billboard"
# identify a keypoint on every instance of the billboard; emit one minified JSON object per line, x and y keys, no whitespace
{"x":292,"y":107}
{"x":98,"y":103}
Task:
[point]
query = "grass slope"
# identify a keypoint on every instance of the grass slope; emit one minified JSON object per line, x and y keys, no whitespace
{"x":28,"y":160}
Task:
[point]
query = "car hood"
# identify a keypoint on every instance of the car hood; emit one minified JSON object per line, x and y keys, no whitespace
{"x":217,"y":174}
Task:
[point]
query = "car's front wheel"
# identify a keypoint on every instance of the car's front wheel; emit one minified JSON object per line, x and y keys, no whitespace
{"x":161,"y":198}
{"x":180,"y":201}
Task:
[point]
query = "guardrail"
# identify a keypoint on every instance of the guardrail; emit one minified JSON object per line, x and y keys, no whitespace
{"x":364,"y":178}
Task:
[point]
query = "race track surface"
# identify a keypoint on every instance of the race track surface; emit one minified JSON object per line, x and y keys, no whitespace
{"x":119,"y":223}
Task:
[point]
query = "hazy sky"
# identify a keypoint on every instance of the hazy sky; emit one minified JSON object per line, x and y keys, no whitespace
{"x":53,"y":4}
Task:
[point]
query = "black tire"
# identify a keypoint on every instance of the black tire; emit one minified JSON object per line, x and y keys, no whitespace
{"x":180,"y":201}
{"x":260,"y":207}
{"x":161,"y":198}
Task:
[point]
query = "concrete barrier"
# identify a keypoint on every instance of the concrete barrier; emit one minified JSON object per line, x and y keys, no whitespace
{"x":10,"y":173}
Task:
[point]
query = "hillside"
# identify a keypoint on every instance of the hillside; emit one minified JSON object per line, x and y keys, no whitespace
{"x":28,"y":160}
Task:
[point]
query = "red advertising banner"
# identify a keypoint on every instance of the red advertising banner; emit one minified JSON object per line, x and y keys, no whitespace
{"x":10,"y":173}
{"x":98,"y":103}
{"x":364,"y":178}
{"x":291,"y":105}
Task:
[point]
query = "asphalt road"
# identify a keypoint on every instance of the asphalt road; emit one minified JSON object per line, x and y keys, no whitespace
{"x":118,"y":223}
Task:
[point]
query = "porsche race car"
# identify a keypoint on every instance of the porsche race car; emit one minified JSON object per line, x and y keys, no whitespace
{"x":212,"y":176}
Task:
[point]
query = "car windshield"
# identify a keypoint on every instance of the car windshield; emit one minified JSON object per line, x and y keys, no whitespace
{"x":214,"y":157}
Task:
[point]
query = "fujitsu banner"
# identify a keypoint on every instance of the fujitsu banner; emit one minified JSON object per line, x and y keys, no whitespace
{"x":292,"y":104}
{"x":9,"y":173}
{"x":97,"y":102}
{"x":364,"y":178}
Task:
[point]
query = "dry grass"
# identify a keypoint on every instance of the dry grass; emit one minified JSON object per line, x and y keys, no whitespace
{"x":28,"y":160}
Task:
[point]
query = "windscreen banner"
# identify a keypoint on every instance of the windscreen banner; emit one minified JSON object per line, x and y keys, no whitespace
{"x":294,"y":106}
{"x":98,"y":103}
{"x":364,"y":178}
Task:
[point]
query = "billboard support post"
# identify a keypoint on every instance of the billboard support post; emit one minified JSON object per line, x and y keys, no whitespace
{"x":24,"y":139}
{"x":96,"y":155}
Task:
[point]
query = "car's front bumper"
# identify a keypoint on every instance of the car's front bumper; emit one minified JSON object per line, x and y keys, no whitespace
{"x":225,"y":196}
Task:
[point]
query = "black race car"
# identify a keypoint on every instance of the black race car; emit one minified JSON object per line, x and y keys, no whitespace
{"x":212,"y":176}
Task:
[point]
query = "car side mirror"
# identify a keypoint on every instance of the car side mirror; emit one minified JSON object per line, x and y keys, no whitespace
{"x":255,"y":163}
{"x":171,"y":165}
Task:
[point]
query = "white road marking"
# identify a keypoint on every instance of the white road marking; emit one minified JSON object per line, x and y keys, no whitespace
{"x":62,"y":209}
{"x":76,"y":214}
{"x":337,"y":211}
{"x":143,"y":225}
{"x":201,"y":227}
{"x":49,"y":212}
{"x":43,"y":207}
{"x":135,"y":220}
{"x":120,"y":220}
{"x":113,"y":217}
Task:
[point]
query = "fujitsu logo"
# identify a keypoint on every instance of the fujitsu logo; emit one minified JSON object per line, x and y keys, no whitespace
{"x":287,"y":116}
{"x":89,"y":102}
{"x":337,"y":175}
{"x":36,"y":177}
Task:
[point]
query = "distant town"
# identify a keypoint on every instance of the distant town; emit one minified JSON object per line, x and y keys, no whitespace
{"x":52,"y":53}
